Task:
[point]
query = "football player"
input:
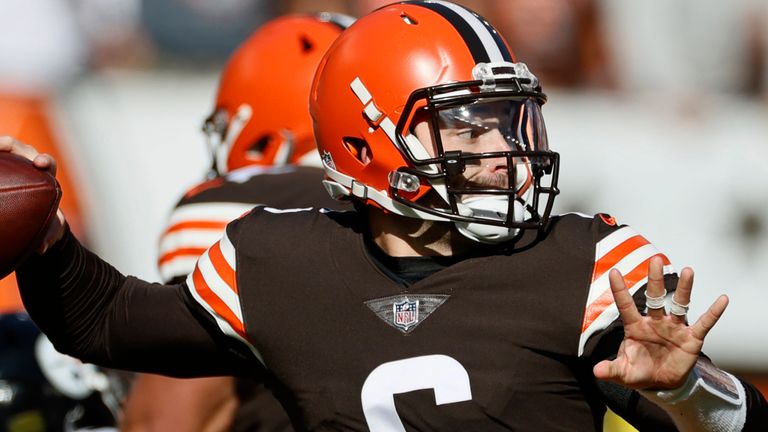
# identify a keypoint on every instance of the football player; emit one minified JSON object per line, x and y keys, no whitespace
{"x":449,"y":299}
{"x":263,"y":152}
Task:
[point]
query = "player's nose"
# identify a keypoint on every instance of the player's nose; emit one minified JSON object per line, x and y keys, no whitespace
{"x":494,"y":142}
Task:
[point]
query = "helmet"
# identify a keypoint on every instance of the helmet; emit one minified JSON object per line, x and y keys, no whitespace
{"x":397,"y":90}
{"x":261,"y":115}
{"x":41,"y":389}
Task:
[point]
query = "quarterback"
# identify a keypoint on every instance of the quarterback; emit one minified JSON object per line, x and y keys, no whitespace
{"x":450,"y":298}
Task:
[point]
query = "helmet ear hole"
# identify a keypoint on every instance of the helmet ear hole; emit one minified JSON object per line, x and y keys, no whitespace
{"x":359,"y":149}
{"x":257,"y":148}
{"x":306,"y":45}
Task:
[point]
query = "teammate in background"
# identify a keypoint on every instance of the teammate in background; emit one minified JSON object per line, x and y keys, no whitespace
{"x":449,"y":299}
{"x":43,"y":390}
{"x":263,"y":152}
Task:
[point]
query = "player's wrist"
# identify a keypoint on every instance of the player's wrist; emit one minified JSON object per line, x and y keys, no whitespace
{"x":710,"y":399}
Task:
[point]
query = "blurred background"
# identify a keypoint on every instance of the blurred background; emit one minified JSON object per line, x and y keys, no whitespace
{"x":659,"y":109}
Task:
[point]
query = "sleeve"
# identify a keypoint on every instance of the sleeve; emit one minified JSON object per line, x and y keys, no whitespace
{"x":757,"y":409}
{"x":91,"y":311}
{"x":213,"y":286}
{"x":192,"y":228}
{"x":622,"y":248}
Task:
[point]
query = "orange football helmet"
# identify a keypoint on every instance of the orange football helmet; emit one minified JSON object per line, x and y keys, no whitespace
{"x":261,"y":115}
{"x":439,"y":63}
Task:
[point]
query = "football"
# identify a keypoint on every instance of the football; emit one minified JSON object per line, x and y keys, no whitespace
{"x":29,"y":198}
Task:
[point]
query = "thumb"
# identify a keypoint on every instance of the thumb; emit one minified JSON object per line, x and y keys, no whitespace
{"x":54,"y":233}
{"x":607,"y":370}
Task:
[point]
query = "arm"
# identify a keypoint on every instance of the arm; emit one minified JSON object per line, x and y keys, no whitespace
{"x":91,"y":311}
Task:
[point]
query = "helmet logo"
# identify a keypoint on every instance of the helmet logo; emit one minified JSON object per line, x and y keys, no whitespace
{"x":328,"y":160}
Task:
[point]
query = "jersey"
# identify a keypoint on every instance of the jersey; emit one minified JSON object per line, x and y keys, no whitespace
{"x":494,"y":342}
{"x":199,"y":218}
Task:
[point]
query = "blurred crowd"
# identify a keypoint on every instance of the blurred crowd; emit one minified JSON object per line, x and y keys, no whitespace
{"x":686,"y":48}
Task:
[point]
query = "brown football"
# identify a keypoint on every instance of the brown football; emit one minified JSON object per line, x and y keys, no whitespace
{"x":29,"y":198}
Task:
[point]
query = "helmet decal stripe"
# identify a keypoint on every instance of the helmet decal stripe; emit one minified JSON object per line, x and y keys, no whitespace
{"x":482,"y":39}
{"x":339,"y":20}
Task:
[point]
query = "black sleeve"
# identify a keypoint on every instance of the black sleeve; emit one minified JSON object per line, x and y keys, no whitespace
{"x":757,"y":409}
{"x":91,"y":311}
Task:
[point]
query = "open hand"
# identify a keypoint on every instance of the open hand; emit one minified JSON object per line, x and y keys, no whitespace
{"x":658,"y":350}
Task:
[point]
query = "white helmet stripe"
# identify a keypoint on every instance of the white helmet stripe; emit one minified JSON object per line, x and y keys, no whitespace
{"x":486,"y":47}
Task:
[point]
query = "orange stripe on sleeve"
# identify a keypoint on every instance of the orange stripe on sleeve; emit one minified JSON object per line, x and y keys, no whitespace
{"x":194,"y":252}
{"x":605,"y":299}
{"x":196,"y":224}
{"x":210,"y":298}
{"x":225,"y":271}
{"x":617,"y":254}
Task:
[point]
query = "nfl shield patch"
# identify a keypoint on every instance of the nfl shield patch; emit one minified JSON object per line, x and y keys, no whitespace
{"x":406,"y":313}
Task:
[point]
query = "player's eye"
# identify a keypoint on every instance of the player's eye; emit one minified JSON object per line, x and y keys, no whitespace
{"x":471,"y":133}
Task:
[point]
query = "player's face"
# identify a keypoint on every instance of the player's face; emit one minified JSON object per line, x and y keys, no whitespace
{"x":492,"y":127}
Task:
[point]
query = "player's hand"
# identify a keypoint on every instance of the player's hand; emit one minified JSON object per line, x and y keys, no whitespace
{"x":45,"y":162}
{"x":659,"y":350}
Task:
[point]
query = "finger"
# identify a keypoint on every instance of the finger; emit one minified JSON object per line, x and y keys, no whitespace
{"x":54,"y":232}
{"x":9,"y":144}
{"x":6,"y":143}
{"x":705,"y":322}
{"x":624,"y":301}
{"x":655,"y":287}
{"x":607,"y":370}
{"x":45,"y":161}
{"x":682,"y":294}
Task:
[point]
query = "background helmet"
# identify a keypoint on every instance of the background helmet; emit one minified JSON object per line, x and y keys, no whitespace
{"x":436,"y":62}
{"x":43,"y":390}
{"x":261,"y":115}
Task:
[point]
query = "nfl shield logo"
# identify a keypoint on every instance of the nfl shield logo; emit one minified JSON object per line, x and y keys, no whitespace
{"x":406,"y":313}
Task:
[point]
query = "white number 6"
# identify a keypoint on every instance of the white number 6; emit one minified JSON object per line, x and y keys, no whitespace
{"x":444,"y":374}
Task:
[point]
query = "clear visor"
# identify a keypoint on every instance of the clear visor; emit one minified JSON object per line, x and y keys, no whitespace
{"x":492,"y":126}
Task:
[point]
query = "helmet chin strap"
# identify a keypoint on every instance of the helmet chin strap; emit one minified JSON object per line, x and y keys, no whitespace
{"x":489,"y":207}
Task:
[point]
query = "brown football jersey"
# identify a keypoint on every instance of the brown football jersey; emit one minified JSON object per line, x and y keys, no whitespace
{"x":498,"y":342}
